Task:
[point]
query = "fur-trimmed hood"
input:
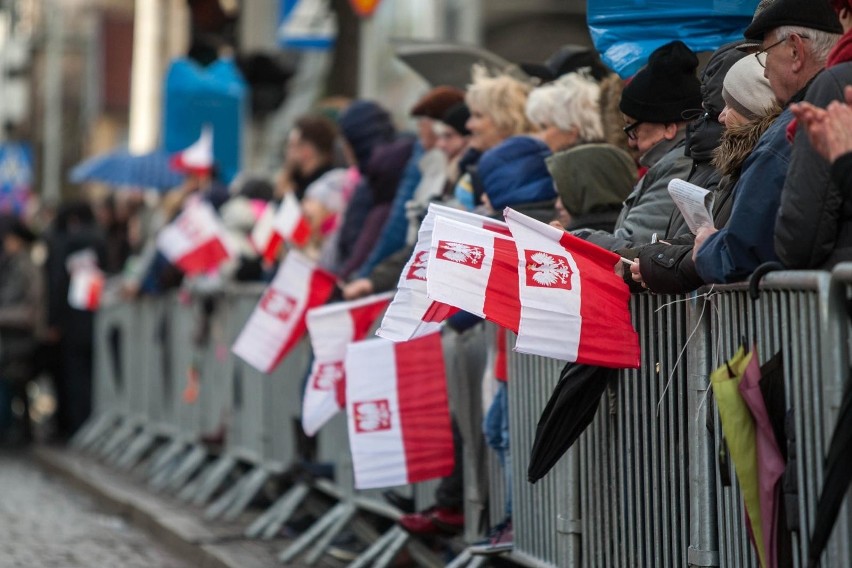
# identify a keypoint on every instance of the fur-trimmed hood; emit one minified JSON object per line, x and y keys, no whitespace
{"x":739,"y":141}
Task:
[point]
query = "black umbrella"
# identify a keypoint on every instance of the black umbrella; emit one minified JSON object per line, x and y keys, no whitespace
{"x":571,"y":408}
{"x":446,"y":63}
{"x":838,"y":475}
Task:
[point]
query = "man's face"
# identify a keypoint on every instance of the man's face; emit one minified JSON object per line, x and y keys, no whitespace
{"x":643,"y":136}
{"x":779,"y":65}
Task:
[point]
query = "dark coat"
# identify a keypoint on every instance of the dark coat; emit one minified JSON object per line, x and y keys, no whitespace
{"x":814,"y":224}
{"x":20,"y":297}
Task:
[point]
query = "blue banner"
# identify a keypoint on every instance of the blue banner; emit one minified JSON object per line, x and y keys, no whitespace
{"x":625,"y":32}
{"x":16,"y":176}
{"x":214,"y":95}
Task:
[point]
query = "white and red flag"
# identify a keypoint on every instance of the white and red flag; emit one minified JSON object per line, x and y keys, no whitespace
{"x":86,"y":281}
{"x":332,"y":328}
{"x":412,"y":313}
{"x":197,"y":158}
{"x":278,"y":321}
{"x":278,"y":225}
{"x":397,"y":410}
{"x":574,"y":306}
{"x":475,"y":270}
{"x":196,"y":241}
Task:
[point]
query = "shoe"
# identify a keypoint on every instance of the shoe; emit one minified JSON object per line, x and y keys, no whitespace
{"x":499,"y":541}
{"x":404,"y":504}
{"x":448,"y":519}
{"x":419,"y":523}
{"x":346,"y":547}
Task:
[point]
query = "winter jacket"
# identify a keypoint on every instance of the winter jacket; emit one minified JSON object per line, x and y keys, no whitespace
{"x":514,"y":172}
{"x":814,"y":224}
{"x":20,"y":298}
{"x":669,"y":269}
{"x":731,"y":254}
{"x":395,"y":229}
{"x":649,"y":206}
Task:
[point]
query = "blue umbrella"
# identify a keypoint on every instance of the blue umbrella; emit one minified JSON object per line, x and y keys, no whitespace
{"x":121,"y":168}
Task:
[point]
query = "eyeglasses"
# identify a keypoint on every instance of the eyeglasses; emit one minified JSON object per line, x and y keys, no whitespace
{"x":761,"y":55}
{"x":630,"y":129}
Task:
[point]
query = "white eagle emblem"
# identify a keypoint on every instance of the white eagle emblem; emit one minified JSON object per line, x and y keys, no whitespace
{"x":328,"y":375}
{"x":417,"y":270}
{"x":372,"y":416}
{"x":469,"y":255}
{"x":548,"y":270}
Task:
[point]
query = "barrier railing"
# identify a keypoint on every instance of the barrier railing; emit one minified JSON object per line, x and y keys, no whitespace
{"x":641,"y":487}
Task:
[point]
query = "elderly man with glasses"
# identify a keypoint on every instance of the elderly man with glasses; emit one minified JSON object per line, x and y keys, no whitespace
{"x":657,"y":104}
{"x":792,"y":39}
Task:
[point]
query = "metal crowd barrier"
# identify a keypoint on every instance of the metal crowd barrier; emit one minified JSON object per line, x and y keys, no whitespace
{"x":642,"y":487}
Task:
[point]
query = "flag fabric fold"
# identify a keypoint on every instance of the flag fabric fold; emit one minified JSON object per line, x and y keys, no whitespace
{"x":397,"y":411}
{"x":86,"y":280}
{"x":412,"y":313}
{"x":196,"y":241}
{"x":332,"y":328}
{"x":278,"y":321}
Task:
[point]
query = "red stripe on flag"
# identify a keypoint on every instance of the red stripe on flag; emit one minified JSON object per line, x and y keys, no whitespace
{"x":502,"y":295}
{"x":423,"y":408}
{"x":364,"y":317}
{"x":320,"y":289}
{"x":95,"y":288}
{"x":607,"y":337}
{"x":438,"y":312}
{"x":301,"y":232}
{"x":270,"y":253}
{"x":208,"y":256}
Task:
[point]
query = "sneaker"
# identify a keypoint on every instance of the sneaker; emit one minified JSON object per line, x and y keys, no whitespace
{"x":449,"y":519}
{"x":419,"y":523}
{"x":499,"y":541}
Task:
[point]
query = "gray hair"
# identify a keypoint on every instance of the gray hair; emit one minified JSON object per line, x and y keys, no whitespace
{"x":572,"y":101}
{"x":821,"y":42}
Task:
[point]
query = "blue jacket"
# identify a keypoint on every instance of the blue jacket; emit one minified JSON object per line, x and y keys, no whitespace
{"x":747,"y":241}
{"x":514,"y":172}
{"x":395,"y":228}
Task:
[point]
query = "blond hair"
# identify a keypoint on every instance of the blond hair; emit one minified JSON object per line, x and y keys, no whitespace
{"x":502,"y":98}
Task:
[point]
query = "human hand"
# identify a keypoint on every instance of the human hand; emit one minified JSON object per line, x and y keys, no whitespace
{"x":700,"y":237}
{"x":636,"y":273}
{"x":829,"y":129}
{"x":357,"y":289}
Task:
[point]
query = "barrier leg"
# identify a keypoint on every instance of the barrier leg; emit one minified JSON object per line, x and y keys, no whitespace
{"x":200,"y":491}
{"x":134,"y":452}
{"x":117,"y":440}
{"x":316,"y":530}
{"x":367,"y":557}
{"x":235,"y":500}
{"x":466,"y":560}
{"x":269,"y":523}
{"x":325,"y":539}
{"x":93,"y":430}
{"x":393,"y":548}
{"x":162,"y":460}
{"x":190,"y":463}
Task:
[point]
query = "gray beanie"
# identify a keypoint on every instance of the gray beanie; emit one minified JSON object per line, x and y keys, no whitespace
{"x":746,"y":90}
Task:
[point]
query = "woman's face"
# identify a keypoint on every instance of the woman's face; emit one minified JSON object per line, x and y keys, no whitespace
{"x":730,"y":118}
{"x":484,"y":133}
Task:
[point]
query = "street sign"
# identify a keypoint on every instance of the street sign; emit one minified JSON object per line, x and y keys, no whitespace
{"x":16,"y":176}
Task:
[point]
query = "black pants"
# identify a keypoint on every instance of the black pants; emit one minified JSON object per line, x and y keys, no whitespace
{"x":450,"y":491}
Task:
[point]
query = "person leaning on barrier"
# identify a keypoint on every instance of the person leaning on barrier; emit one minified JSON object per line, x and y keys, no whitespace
{"x":750,"y":108}
{"x":653,"y":105}
{"x":795,"y":36}
{"x":814,"y":225}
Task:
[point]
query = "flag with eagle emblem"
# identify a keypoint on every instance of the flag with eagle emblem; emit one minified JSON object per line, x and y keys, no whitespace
{"x":398,"y":412}
{"x":278,"y":321}
{"x":332,"y":328}
{"x":574,"y":306}
{"x":412,"y":313}
{"x":558,"y":293}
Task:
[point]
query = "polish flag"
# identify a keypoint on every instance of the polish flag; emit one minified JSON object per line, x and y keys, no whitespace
{"x":332,"y":328}
{"x":475,"y":270}
{"x":276,"y":226}
{"x":398,"y":415}
{"x":85,"y":289}
{"x":196,"y":241}
{"x":574,"y":306}
{"x":412,"y":313}
{"x":196,"y":159}
{"x":278,"y":321}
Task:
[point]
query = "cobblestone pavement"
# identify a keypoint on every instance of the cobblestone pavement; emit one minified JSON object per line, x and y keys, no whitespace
{"x":47,"y":524}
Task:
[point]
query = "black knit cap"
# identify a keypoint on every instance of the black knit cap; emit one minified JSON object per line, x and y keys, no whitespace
{"x":666,"y":89}
{"x":811,"y":14}
{"x":456,"y":118}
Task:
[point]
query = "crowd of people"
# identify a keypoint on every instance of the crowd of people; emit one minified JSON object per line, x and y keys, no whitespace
{"x":766,"y":127}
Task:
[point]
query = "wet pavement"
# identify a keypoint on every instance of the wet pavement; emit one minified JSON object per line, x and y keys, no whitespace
{"x":45,"y":523}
